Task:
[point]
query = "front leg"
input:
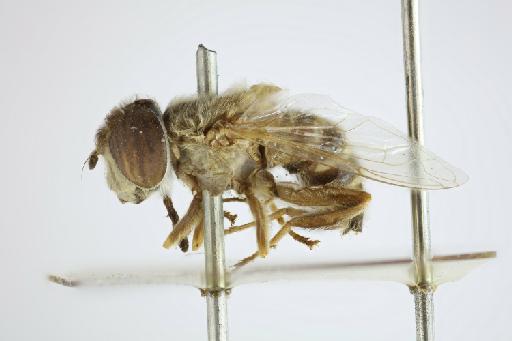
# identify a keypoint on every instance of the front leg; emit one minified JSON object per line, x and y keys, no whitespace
{"x":192,"y":218}
{"x":173,"y":215}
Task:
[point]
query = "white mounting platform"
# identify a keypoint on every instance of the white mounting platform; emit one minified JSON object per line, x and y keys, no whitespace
{"x":189,"y":271}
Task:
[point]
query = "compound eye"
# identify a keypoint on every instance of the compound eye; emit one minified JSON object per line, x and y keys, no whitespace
{"x":137,"y":143}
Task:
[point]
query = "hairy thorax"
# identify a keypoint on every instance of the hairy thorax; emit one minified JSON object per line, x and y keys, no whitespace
{"x":203,"y":155}
{"x":216,"y":168}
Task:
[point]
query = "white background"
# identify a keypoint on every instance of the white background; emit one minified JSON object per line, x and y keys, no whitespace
{"x":64,"y":65}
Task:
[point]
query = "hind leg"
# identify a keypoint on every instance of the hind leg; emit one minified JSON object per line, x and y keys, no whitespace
{"x":314,"y":174}
{"x":342,"y":205}
{"x":337,"y":205}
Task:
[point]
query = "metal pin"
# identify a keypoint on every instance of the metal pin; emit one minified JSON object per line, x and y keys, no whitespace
{"x":423,"y":291}
{"x":215,"y":265}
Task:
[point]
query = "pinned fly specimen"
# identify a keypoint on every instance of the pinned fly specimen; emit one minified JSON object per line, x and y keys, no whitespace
{"x":234,"y":141}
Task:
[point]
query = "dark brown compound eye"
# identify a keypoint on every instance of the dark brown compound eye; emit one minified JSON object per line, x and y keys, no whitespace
{"x":137,"y":142}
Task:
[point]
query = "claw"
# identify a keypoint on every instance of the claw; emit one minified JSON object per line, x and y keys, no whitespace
{"x":231,"y":217}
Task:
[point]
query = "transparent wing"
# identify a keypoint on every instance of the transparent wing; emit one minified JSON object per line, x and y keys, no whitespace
{"x":314,"y":127}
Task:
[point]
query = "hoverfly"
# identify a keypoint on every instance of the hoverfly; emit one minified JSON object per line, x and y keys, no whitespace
{"x":234,"y":141}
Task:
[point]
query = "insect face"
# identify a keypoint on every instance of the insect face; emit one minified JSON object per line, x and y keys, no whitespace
{"x":134,"y":146}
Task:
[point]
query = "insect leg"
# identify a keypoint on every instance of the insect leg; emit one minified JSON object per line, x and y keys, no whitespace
{"x":303,"y":240}
{"x":342,"y":205}
{"x":259,"y":211}
{"x":239,"y":228}
{"x":171,"y":213}
{"x":198,"y":238}
{"x":275,"y":215}
{"x":355,"y":224}
{"x":231,"y":217}
{"x":331,"y":194}
{"x":310,"y":243}
{"x":280,"y":220}
{"x":259,"y":193}
{"x":234,"y":200}
{"x":191,"y":219}
{"x":246,"y":260}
